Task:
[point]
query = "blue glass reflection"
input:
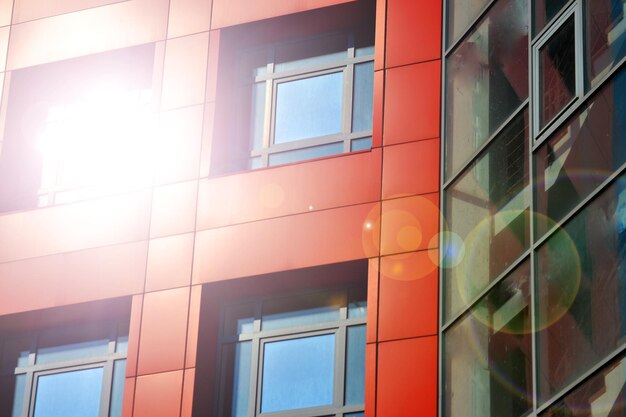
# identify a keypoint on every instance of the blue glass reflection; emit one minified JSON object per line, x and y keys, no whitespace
{"x":117,"y":391}
{"x":72,"y":351}
{"x":69,"y":394}
{"x":18,"y":395}
{"x":362,"y":103}
{"x":298,"y":373}
{"x":355,"y":365}
{"x":361,"y":144}
{"x":241,"y":380}
{"x":309,"y":107}
{"x":306,"y":153}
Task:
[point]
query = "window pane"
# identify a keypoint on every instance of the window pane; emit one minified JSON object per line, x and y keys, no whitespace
{"x":581,"y":155}
{"x":545,"y":11}
{"x":69,"y":394}
{"x":309,"y":107}
{"x":461,"y":13}
{"x":357,"y":304}
{"x":605,"y":37}
{"x":235,"y":377}
{"x":361,"y":144}
{"x":362,"y":100}
{"x":305,"y":153}
{"x":257,"y":114}
{"x":355,"y":365}
{"x":117,"y":390}
{"x":301,"y":310}
{"x":581,"y":291}
{"x":486,"y":211}
{"x":18,"y":395}
{"x":70,"y":343}
{"x":298,"y":373}
{"x":487,"y":369}
{"x":557,"y":72}
{"x":487,"y":79}
{"x":72,"y":351}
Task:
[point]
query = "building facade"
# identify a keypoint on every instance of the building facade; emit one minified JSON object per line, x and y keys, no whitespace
{"x":234,"y":208}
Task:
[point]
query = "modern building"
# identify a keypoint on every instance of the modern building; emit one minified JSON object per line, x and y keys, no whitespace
{"x":231,"y":208}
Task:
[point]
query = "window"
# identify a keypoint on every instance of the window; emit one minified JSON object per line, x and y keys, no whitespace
{"x":300,"y":355}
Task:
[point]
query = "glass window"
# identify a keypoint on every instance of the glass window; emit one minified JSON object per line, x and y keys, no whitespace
{"x":486,"y":81}
{"x":544,"y":11}
{"x":461,"y":13}
{"x":69,"y":394}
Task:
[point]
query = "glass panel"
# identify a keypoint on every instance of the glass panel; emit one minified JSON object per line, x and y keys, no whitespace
{"x":309,"y":107}
{"x":581,"y":155}
{"x":355,"y":365}
{"x":364,"y":51}
{"x":255,"y":162}
{"x":602,"y":395}
{"x":544,"y":11}
{"x":122,"y":344}
{"x":300,"y":310}
{"x":461,"y":13}
{"x":361,"y":144}
{"x":235,"y":379}
{"x":486,"y":211}
{"x":605,"y":37}
{"x":309,"y":52}
{"x":362,"y":100}
{"x":487,"y":79}
{"x":361,"y":414}
{"x":69,"y":394}
{"x":18,"y":395}
{"x":487,"y":368}
{"x":305,"y":153}
{"x":581,"y":291}
{"x":239,"y":319}
{"x":557,"y":72}
{"x":257,"y":114}
{"x":70,"y":343}
{"x":298,"y":373}
{"x":357,"y":303}
{"x":117,"y":390}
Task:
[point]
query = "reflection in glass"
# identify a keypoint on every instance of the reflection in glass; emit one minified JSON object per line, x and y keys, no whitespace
{"x":361,"y":144}
{"x":301,"y":310}
{"x":557,"y":72}
{"x":605,"y":43}
{"x":487,"y":369}
{"x":486,"y":80}
{"x":355,"y":365}
{"x":362,"y":97}
{"x":236,"y":362}
{"x":581,"y":291}
{"x":487,"y":208}
{"x":461,"y":13}
{"x":72,"y":351}
{"x":305,"y":153}
{"x":257,"y":114}
{"x":117,"y":392}
{"x":581,"y":155}
{"x":298,"y":373}
{"x":544,"y":11}
{"x":18,"y":395}
{"x":69,"y":394}
{"x":309,"y":107}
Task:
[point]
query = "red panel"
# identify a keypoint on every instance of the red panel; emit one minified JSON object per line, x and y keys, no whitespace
{"x":163,"y":331}
{"x":411,"y":168}
{"x":75,"y":277}
{"x":188,"y":16}
{"x":213,"y":61}
{"x":129,"y":397}
{"x":381,"y":29}
{"x":370,"y":379}
{"x":409,"y":224}
{"x":285,"y":243}
{"x":408,"y":295}
{"x":407,"y":378}
{"x":413,"y":31}
{"x":290,"y":189}
{"x":133,"y":335}
{"x":412,"y":103}
{"x":193,"y":327}
{"x":188,"y":385}
{"x":169,"y":262}
{"x":233,"y":12}
{"x":379,"y":106}
{"x":372,"y":299}
{"x":173,"y":209}
{"x":159,"y":395}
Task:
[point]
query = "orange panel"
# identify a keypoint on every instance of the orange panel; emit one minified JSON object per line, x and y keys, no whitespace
{"x":25,"y":10}
{"x":381,"y":29}
{"x":188,"y":385}
{"x":99,"y":29}
{"x":163,"y":331}
{"x":378,"y":108}
{"x":408,"y":295}
{"x":188,"y":16}
{"x":184,"y":72}
{"x":413,"y":31}
{"x":213,"y":63}
{"x":129,"y":397}
{"x":370,"y":379}
{"x":407,"y":378}
{"x":76,"y":226}
{"x":193,"y":327}
{"x":372,"y":300}
{"x":169,"y":262}
{"x":290,"y":189}
{"x":133,"y":335}
{"x":233,"y":12}
{"x":409,"y":224}
{"x":285,"y":243}
{"x":411,"y":168}
{"x":174,"y":209}
{"x":180,"y":135}
{"x":6,"y":9}
{"x":159,"y":395}
{"x":412,"y":103}
{"x":74,"y":277}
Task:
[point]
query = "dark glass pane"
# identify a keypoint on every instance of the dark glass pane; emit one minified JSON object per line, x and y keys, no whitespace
{"x":309,"y":107}
{"x":361,"y":144}
{"x":117,"y":390}
{"x":486,"y":80}
{"x":357,"y":302}
{"x":298,"y":373}
{"x":581,"y":155}
{"x":557,"y":72}
{"x":18,"y":395}
{"x":544,"y":11}
{"x":487,"y":366}
{"x":363,"y":97}
{"x":309,"y":52}
{"x":301,"y":310}
{"x":236,"y":362}
{"x":486,"y":212}
{"x":600,"y":396}
{"x":461,"y":13}
{"x":605,"y":41}
{"x":355,"y":365}
{"x":257,"y":114}
{"x":305,"y":153}
{"x":69,"y":394}
{"x":69,"y":343}
{"x":239,"y":319}
{"x":581,"y":291}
